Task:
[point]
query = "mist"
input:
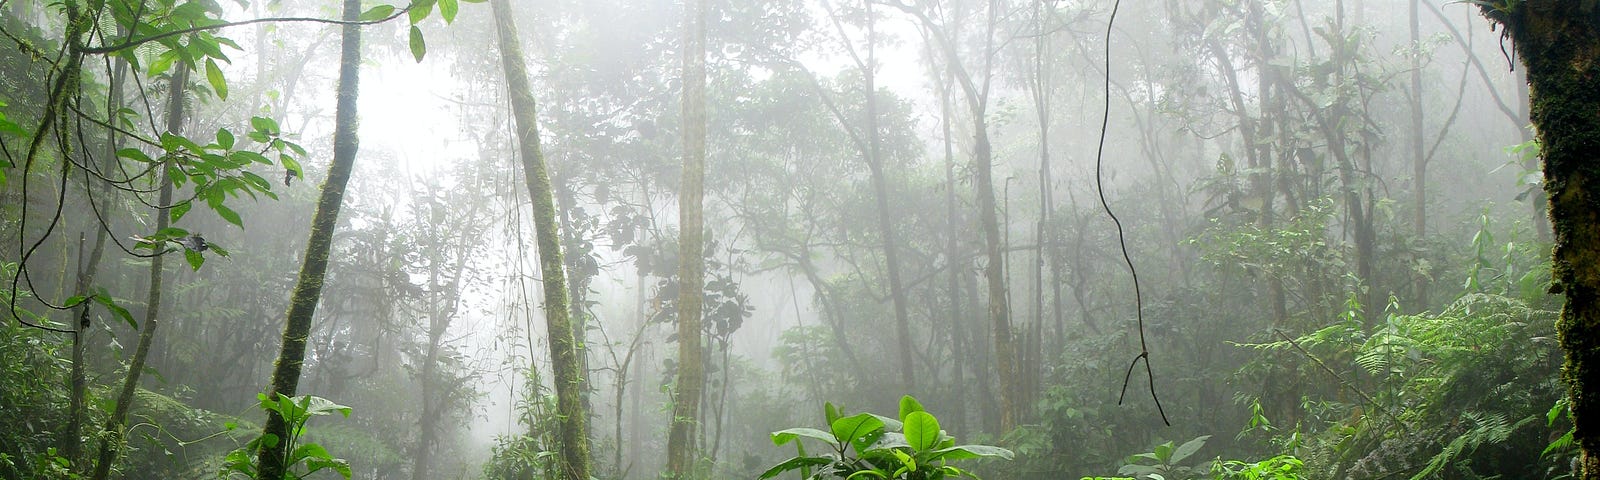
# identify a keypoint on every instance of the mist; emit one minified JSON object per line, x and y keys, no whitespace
{"x":1019,"y":239}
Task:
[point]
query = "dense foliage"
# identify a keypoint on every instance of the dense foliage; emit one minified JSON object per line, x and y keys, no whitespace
{"x":1336,"y":213}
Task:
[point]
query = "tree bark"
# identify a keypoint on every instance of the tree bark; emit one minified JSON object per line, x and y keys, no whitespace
{"x":691,"y":259}
{"x":1559,"y":43}
{"x":574,"y":419}
{"x":314,"y":267}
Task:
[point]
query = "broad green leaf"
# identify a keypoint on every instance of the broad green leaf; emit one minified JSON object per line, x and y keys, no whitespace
{"x":321,"y":406}
{"x":105,"y":300}
{"x":229,"y":215}
{"x":134,"y":154}
{"x":1188,"y":448}
{"x":163,"y":62}
{"x":788,"y":435}
{"x":963,"y":452}
{"x":338,"y":465}
{"x":909,"y":404}
{"x":830,"y":412}
{"x":290,"y":164}
{"x":379,"y":12}
{"x":264,"y":125}
{"x":225,"y":139}
{"x":420,"y":10}
{"x":447,"y":10}
{"x":194,"y":258}
{"x":309,"y":451}
{"x":419,"y":47}
{"x":921,"y":429}
{"x":247,"y":157}
{"x":255,"y":181}
{"x":171,"y":232}
{"x":852,"y":428}
{"x":795,"y":464}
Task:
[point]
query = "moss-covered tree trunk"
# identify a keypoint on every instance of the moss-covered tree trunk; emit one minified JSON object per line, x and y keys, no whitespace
{"x":113,"y":440}
{"x":314,"y":267}
{"x":558,"y":321}
{"x":1559,"y":43}
{"x":691,"y":260}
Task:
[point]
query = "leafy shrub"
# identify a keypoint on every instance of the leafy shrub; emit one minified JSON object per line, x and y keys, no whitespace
{"x":911,"y":448}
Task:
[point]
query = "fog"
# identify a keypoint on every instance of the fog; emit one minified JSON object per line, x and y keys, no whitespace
{"x":1334,"y":211}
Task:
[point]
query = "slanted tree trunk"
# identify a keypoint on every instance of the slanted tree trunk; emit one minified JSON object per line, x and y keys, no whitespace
{"x":314,"y":267}
{"x":691,"y":260}
{"x":1559,"y":42}
{"x":111,"y":446}
{"x":568,"y":369}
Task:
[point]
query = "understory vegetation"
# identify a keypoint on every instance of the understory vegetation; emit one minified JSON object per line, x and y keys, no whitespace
{"x":815,"y":239}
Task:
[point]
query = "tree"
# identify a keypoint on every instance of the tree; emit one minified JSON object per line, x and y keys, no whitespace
{"x":976,"y":89}
{"x":314,"y":267}
{"x":691,"y":244}
{"x":152,"y":317}
{"x":558,"y":321}
{"x":1559,"y":43}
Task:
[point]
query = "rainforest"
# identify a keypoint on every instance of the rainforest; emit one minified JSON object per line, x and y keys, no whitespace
{"x":800,"y":239}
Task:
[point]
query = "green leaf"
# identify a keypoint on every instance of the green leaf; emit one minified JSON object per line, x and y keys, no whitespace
{"x":195,"y":258}
{"x":315,"y":405}
{"x":214,"y":77}
{"x":788,"y":435}
{"x":854,"y":427}
{"x":309,"y":451}
{"x":419,"y":47}
{"x":134,"y":154}
{"x":379,"y":12}
{"x":921,"y":429}
{"x":229,"y":215}
{"x":909,"y":404}
{"x":180,"y":210}
{"x":163,"y":62}
{"x":256,"y":181}
{"x":795,"y":464}
{"x":447,"y":10}
{"x":74,"y":301}
{"x":963,"y":452}
{"x":420,"y":10}
{"x":225,"y":139}
{"x":247,"y":157}
{"x":264,"y":125}
{"x":830,"y":412}
{"x":1188,"y":448}
{"x":105,"y":300}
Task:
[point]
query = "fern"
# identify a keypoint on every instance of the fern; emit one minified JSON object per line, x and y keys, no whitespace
{"x":1488,"y":429}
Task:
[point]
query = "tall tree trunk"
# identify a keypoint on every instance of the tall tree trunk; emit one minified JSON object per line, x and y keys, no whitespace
{"x":563,"y":346}
{"x":691,"y":260}
{"x":72,"y":441}
{"x":952,"y":254}
{"x":578,"y":280}
{"x":1042,"y":241}
{"x":314,"y":267}
{"x":114,"y":440}
{"x":1559,"y":42}
{"x":1419,"y":164}
{"x":880,"y":189}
